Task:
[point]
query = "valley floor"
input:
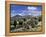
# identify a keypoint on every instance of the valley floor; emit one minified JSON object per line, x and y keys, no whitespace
{"x":22,"y":29}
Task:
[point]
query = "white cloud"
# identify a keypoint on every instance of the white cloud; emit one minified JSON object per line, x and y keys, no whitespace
{"x":36,"y":13}
{"x":29,"y":14}
{"x":20,"y":14}
{"x":31,"y":8}
{"x":12,"y":15}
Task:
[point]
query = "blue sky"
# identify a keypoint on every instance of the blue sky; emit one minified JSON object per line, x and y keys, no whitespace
{"x":25,"y":10}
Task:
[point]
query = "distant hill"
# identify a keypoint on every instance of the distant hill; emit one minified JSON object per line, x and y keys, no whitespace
{"x":15,"y":17}
{"x":20,"y":17}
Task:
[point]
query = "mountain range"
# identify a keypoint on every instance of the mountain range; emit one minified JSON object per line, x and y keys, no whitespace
{"x":20,"y":17}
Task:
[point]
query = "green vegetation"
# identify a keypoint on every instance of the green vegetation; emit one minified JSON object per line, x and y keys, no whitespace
{"x":15,"y":23}
{"x":40,"y":18}
{"x":26,"y":24}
